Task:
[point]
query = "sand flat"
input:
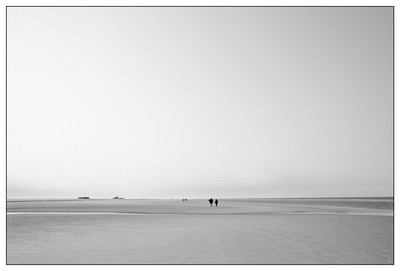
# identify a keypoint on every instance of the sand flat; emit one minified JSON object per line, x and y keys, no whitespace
{"x":176,"y":232}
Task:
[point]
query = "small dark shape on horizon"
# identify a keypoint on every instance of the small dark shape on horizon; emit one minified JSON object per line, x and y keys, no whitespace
{"x":83,"y":198}
{"x":116,"y":197}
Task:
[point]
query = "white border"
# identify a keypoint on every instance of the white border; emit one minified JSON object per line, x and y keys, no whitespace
{"x":180,"y":3}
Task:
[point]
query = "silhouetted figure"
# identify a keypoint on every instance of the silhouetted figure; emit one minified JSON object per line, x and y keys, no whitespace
{"x":211,"y":202}
{"x":216,"y":203}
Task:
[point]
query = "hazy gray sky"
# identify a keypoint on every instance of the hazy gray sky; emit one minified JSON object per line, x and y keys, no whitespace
{"x":199,"y":102}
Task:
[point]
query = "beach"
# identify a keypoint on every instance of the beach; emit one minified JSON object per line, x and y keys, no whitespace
{"x":238,"y":231}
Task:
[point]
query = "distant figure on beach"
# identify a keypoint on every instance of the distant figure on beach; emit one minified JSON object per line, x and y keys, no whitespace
{"x":211,"y":202}
{"x":216,"y":203}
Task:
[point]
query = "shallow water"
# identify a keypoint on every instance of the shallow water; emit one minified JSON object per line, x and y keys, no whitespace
{"x":200,"y":206}
{"x":134,"y":232}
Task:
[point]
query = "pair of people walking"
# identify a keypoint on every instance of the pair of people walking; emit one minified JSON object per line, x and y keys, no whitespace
{"x":211,"y":201}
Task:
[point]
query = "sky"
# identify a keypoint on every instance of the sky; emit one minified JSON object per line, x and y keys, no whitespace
{"x":199,"y":102}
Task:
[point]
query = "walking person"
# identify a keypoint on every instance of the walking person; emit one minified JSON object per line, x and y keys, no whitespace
{"x":216,"y":203}
{"x":211,"y":202}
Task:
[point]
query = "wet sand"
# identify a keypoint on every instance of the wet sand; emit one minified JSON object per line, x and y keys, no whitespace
{"x":251,"y":231}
